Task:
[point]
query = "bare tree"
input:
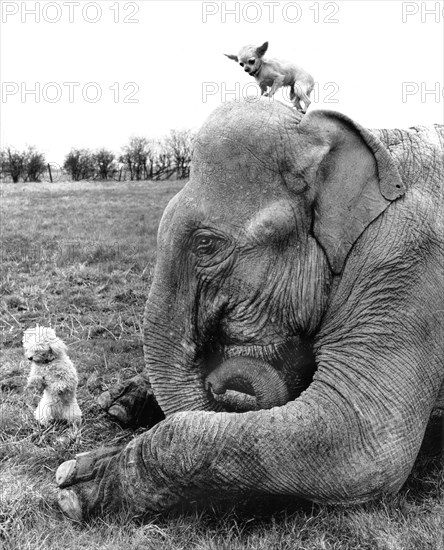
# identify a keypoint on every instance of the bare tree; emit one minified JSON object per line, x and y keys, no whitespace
{"x":34,"y":164}
{"x":3,"y":165}
{"x":28,"y":165}
{"x":79,"y":163}
{"x":179,"y":144}
{"x":139,"y":157}
{"x":104,"y":163}
{"x":164,"y":166}
{"x":13,"y":163}
{"x":150,"y":165}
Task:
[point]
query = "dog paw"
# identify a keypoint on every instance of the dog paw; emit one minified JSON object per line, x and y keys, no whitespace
{"x":36,"y":386}
{"x":132,"y":403}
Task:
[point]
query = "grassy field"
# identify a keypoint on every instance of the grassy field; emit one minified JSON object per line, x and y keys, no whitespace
{"x":80,"y":256}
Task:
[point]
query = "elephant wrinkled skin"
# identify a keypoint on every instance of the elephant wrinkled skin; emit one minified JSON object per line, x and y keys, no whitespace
{"x":309,"y":254}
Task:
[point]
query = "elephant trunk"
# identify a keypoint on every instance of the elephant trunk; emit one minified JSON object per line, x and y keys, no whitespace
{"x":251,"y":376}
{"x":172,"y":359}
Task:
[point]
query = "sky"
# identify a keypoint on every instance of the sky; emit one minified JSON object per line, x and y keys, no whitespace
{"x":93,"y":74}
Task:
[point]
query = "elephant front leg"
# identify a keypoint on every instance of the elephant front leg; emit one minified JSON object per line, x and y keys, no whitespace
{"x":200,"y":455}
{"x":129,"y":479}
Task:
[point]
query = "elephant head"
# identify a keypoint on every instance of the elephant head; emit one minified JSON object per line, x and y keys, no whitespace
{"x":287,"y":269}
{"x":248,"y":251}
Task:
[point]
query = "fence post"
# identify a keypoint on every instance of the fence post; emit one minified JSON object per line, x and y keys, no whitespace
{"x":50,"y":173}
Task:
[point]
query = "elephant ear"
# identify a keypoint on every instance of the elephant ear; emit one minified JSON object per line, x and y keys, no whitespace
{"x":355,"y":180}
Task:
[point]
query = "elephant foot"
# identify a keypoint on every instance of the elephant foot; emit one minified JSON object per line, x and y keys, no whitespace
{"x":132,"y":403}
{"x":83,"y":476}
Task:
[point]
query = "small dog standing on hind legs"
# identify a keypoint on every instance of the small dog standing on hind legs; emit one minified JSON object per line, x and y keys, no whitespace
{"x":276,"y":73}
{"x":53,"y":373}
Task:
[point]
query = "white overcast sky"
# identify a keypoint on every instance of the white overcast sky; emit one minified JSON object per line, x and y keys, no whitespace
{"x":380,"y":62}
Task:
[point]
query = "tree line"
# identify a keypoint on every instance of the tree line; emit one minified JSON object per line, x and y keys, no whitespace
{"x":140,"y":159}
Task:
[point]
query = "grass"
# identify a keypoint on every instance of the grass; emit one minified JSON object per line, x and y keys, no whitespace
{"x":80,"y":256}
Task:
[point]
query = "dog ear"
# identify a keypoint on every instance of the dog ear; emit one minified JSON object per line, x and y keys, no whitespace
{"x":57,"y":347}
{"x":233,"y":57}
{"x":262,"y":49}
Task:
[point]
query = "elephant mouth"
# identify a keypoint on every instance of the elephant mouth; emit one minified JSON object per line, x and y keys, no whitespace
{"x":254,"y":376}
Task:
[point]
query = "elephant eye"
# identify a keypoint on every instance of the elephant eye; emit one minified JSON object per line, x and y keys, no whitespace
{"x":204,"y":245}
{"x":210,"y":247}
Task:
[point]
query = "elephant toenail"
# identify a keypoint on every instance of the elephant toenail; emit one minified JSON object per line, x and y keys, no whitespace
{"x":65,"y":473}
{"x":70,"y":505}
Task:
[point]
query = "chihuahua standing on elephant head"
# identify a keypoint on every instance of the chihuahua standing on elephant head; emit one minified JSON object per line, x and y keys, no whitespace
{"x":303,"y":263}
{"x":275,"y":73}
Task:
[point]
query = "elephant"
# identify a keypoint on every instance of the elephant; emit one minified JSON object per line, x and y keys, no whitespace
{"x":294,"y":328}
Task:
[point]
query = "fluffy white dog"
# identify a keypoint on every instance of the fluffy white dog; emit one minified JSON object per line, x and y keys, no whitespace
{"x":53,"y":373}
